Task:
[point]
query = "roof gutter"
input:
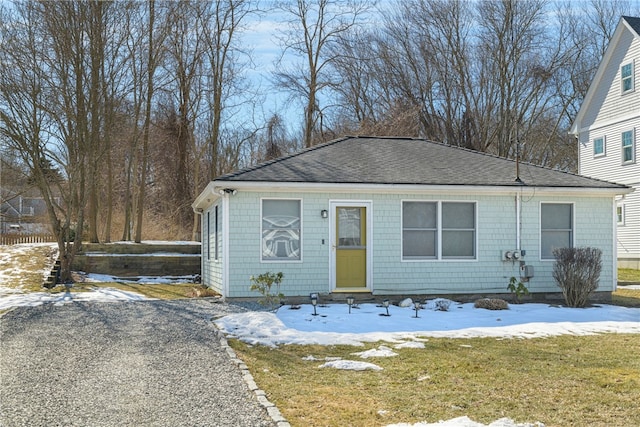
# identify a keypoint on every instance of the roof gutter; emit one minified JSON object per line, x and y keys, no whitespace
{"x":409,"y":188}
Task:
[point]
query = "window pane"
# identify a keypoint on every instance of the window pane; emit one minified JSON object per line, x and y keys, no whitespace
{"x":619,"y":214}
{"x":598,"y":146}
{"x":281,"y":229}
{"x":627,"y":146}
{"x":556,"y":216}
{"x":554,"y":239}
{"x":419,"y":214}
{"x":419,"y":244}
{"x":458,"y":244}
{"x":626,"y":74}
{"x":458,"y":215}
{"x":349,"y":227}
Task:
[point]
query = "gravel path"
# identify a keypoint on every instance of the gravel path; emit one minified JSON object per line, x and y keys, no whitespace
{"x":152,"y":363}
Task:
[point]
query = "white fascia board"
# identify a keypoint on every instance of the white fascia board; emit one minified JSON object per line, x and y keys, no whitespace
{"x":417,"y":189}
{"x":206,"y":198}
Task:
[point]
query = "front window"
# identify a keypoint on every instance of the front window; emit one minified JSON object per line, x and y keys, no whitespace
{"x":419,"y":230}
{"x":458,"y":230}
{"x":281,"y":230}
{"x":627,"y":147}
{"x":598,"y":146}
{"x":556,"y":228}
{"x":438,"y":230}
{"x":626,"y":77}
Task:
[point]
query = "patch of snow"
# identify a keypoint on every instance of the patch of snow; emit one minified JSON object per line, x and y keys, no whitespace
{"x":351,"y":365}
{"x":409,"y":344}
{"x":98,"y":295}
{"x":382,"y":351}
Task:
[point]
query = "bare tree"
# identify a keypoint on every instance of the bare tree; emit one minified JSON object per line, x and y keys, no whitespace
{"x":35,"y":120}
{"x":310,"y":30}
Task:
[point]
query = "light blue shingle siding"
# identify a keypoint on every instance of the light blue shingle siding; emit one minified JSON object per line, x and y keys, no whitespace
{"x":495,"y":232}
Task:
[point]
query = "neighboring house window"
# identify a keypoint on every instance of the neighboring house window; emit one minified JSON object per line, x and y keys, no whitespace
{"x":438,"y":230}
{"x":628,"y":147}
{"x":281,"y":229}
{"x":556,"y":228}
{"x":216,"y":231}
{"x":208,"y":235}
{"x":598,"y":147}
{"x":626,"y":77}
{"x":620,"y":214}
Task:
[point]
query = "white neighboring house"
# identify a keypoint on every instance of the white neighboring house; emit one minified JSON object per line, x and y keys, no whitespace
{"x":607,"y":128}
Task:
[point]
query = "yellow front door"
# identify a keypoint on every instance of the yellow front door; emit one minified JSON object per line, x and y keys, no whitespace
{"x":351,"y":247}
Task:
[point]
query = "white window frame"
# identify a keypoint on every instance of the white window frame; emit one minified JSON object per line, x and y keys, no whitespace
{"x":623,"y":147}
{"x":620,"y":213}
{"x":216,"y":233}
{"x":572,"y":230}
{"x":629,"y":77}
{"x":604,"y":146}
{"x":281,"y":260}
{"x":439,"y":230}
{"x":208,"y":235}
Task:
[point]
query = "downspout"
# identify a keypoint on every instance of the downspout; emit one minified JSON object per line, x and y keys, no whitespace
{"x":518,"y":215}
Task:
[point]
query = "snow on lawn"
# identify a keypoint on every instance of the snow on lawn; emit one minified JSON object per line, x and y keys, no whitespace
{"x":334,"y":325}
{"x":38,"y":298}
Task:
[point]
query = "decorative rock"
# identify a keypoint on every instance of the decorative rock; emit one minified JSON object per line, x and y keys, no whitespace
{"x":407,"y":302}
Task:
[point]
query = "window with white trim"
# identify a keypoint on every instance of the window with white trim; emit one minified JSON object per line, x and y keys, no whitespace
{"x":620,"y":214}
{"x":281,"y":230}
{"x":419,"y":230}
{"x":208,"y":235}
{"x":216,"y":233}
{"x":438,"y":230}
{"x":628,"y":147}
{"x":598,"y":147}
{"x":627,"y":83}
{"x":556,"y":228}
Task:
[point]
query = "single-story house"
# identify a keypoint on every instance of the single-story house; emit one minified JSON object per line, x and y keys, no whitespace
{"x":400,"y":216}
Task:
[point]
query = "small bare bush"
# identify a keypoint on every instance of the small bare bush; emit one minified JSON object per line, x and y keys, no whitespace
{"x":201,"y":292}
{"x":491,"y":304}
{"x":577,"y":273}
{"x":442,"y":304}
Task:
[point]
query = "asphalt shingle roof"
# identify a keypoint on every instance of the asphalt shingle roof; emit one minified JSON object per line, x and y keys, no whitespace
{"x":395,"y":160}
{"x":633,"y":23}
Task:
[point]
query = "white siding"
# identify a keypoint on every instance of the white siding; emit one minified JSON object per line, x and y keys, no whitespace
{"x":608,"y":103}
{"x":610,"y":114}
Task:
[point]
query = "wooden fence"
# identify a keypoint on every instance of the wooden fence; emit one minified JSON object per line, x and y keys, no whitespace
{"x":15,"y":238}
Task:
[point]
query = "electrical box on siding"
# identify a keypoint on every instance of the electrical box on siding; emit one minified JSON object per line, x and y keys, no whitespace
{"x":526,"y":271}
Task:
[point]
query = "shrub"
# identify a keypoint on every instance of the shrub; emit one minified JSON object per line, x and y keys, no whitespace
{"x":442,"y":304}
{"x":263,"y":284}
{"x":518,"y":289}
{"x":491,"y":304}
{"x":577,"y":273}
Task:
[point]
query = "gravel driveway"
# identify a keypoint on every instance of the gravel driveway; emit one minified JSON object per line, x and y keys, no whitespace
{"x":152,"y":363}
